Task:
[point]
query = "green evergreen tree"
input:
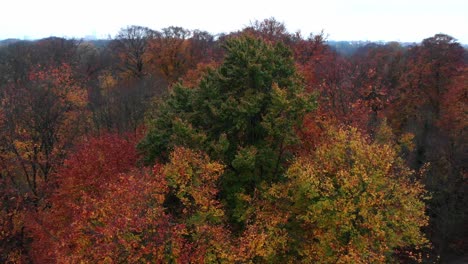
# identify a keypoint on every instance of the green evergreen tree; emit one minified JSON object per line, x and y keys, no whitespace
{"x":243,"y":114}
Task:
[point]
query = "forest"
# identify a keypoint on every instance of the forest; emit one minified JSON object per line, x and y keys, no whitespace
{"x":257,"y":146}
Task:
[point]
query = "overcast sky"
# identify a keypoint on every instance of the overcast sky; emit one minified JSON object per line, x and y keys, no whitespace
{"x":389,"y":20}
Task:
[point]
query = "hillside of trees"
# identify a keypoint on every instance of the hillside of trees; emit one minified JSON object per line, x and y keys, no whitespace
{"x":257,"y":146}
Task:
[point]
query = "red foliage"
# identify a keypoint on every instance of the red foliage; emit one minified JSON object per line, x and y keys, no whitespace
{"x":98,"y":160}
{"x":425,"y":81}
{"x":95,"y":165}
{"x":193,"y":76}
{"x":454,"y":103}
{"x":107,"y":210}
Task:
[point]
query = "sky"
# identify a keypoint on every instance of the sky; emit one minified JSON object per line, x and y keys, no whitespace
{"x":367,"y":20}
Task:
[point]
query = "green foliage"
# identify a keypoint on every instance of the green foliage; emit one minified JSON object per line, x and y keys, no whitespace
{"x":244,"y":113}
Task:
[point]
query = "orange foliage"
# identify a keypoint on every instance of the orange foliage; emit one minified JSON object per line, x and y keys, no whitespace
{"x":41,"y":118}
{"x":96,"y":165}
{"x":454,"y":105}
{"x":107,"y":210}
{"x":193,"y":76}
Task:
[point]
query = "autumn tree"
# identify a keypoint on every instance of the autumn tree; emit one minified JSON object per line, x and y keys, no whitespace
{"x":452,"y":193}
{"x":107,"y":210}
{"x":432,"y":72}
{"x":119,"y":80}
{"x":55,"y":51}
{"x":194,"y":203}
{"x":20,"y":58}
{"x":119,"y":105}
{"x":41,"y":118}
{"x":327,"y":73}
{"x":375,"y":76}
{"x":202,"y":45}
{"x":92,"y":59}
{"x":270,"y":30}
{"x":351,"y":201}
{"x":429,"y":69}
{"x":176,"y":50}
{"x":74,"y":206}
{"x":244,"y":114}
{"x":41,"y":106}
{"x":131,"y":44}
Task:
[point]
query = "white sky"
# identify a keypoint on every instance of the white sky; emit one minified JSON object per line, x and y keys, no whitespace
{"x":400,"y":20}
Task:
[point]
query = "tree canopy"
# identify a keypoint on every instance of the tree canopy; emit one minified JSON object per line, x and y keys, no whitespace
{"x":243,"y":113}
{"x":257,"y":146}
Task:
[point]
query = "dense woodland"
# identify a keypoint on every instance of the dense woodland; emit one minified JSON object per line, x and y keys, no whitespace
{"x":258,"y":146}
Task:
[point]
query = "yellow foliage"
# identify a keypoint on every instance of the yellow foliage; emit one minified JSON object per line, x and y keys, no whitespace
{"x":350,"y":201}
{"x":107,"y":82}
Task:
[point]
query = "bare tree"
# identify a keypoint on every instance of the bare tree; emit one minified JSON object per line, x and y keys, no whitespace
{"x":131,"y":44}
